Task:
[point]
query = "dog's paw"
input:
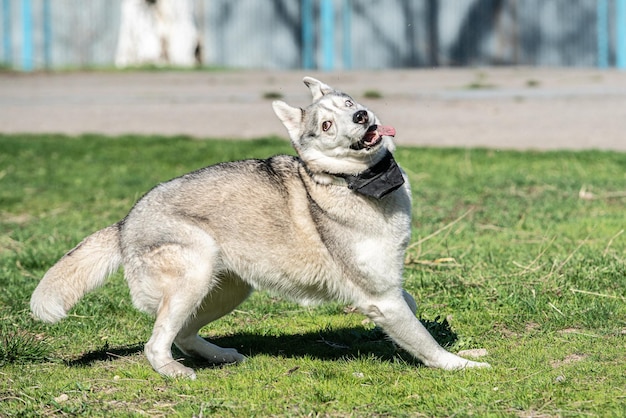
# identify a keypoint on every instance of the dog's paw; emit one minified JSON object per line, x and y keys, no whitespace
{"x":200,"y":348}
{"x":450,"y":361}
{"x":174,"y":370}
{"x":226,"y":355}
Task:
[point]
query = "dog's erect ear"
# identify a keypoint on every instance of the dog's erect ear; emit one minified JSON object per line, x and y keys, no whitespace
{"x":291,"y":117}
{"x":318,"y":89}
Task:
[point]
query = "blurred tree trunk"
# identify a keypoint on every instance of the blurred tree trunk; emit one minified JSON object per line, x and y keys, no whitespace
{"x":159,"y":32}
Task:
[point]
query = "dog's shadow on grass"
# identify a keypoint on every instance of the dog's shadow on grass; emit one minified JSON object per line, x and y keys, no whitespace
{"x":334,"y":344}
{"x":327,"y":344}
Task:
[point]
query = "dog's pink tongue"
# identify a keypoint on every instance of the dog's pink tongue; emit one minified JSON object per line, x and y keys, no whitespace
{"x":386,"y":130}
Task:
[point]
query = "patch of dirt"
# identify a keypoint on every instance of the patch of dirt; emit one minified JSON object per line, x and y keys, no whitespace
{"x":569,"y":331}
{"x":16,"y":218}
{"x":533,"y":414}
{"x":473,"y":353}
{"x":571,"y":358}
{"x":531,"y":326}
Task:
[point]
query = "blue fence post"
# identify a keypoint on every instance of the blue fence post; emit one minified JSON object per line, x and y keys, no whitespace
{"x":327,"y":16}
{"x":6,"y":32}
{"x":47,"y":34}
{"x":308,"y":35}
{"x":347,"y":34}
{"x":27,"y":41}
{"x":620,"y":30}
{"x":602,"y":32}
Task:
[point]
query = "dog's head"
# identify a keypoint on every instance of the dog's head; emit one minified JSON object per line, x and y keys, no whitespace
{"x":335,"y":134}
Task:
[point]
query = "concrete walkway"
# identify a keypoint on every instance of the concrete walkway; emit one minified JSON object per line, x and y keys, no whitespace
{"x":497,"y":108}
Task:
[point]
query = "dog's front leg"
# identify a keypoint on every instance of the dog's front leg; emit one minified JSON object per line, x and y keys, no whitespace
{"x":396,"y":316}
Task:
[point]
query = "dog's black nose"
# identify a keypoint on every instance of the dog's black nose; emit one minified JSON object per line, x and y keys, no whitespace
{"x":360,"y":117}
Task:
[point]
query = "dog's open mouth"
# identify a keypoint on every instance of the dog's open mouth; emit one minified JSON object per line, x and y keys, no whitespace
{"x":373,"y":136}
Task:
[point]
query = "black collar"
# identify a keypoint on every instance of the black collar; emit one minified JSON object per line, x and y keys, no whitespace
{"x":377,"y":181}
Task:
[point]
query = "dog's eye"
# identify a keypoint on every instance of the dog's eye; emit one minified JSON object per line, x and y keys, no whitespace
{"x":326,"y":125}
{"x":349,"y":103}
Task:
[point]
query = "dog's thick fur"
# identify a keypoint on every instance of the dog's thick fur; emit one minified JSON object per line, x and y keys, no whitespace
{"x":194,"y":248}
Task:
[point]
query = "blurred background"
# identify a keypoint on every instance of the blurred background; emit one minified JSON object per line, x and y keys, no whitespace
{"x":311,"y":34}
{"x":524,"y":74}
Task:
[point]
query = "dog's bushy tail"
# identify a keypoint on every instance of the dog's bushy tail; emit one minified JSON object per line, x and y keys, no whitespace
{"x":81,"y":270}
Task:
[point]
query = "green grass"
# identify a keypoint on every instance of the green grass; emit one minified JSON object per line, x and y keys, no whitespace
{"x":372,"y":94}
{"x":519,"y":253}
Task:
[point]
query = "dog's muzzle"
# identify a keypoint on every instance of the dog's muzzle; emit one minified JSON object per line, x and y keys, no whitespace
{"x":361,"y":117}
{"x":373,"y":136}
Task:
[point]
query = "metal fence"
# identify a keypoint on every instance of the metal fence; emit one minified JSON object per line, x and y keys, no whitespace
{"x":334,"y":34}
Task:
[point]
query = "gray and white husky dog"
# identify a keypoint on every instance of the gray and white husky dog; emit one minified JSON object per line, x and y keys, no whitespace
{"x":330,"y":224}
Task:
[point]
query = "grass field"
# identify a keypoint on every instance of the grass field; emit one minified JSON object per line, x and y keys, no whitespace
{"x":518,"y":253}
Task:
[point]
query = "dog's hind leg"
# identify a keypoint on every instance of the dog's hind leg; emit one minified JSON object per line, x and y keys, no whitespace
{"x":180,"y":277}
{"x":227,"y":294}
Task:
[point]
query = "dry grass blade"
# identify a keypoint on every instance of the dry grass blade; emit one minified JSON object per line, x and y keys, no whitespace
{"x":602,"y":295}
{"x":529,"y":268}
{"x":606,"y":250}
{"x":440,"y":262}
{"x":584,"y":194}
{"x":569,"y":257}
{"x":440,"y":230}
